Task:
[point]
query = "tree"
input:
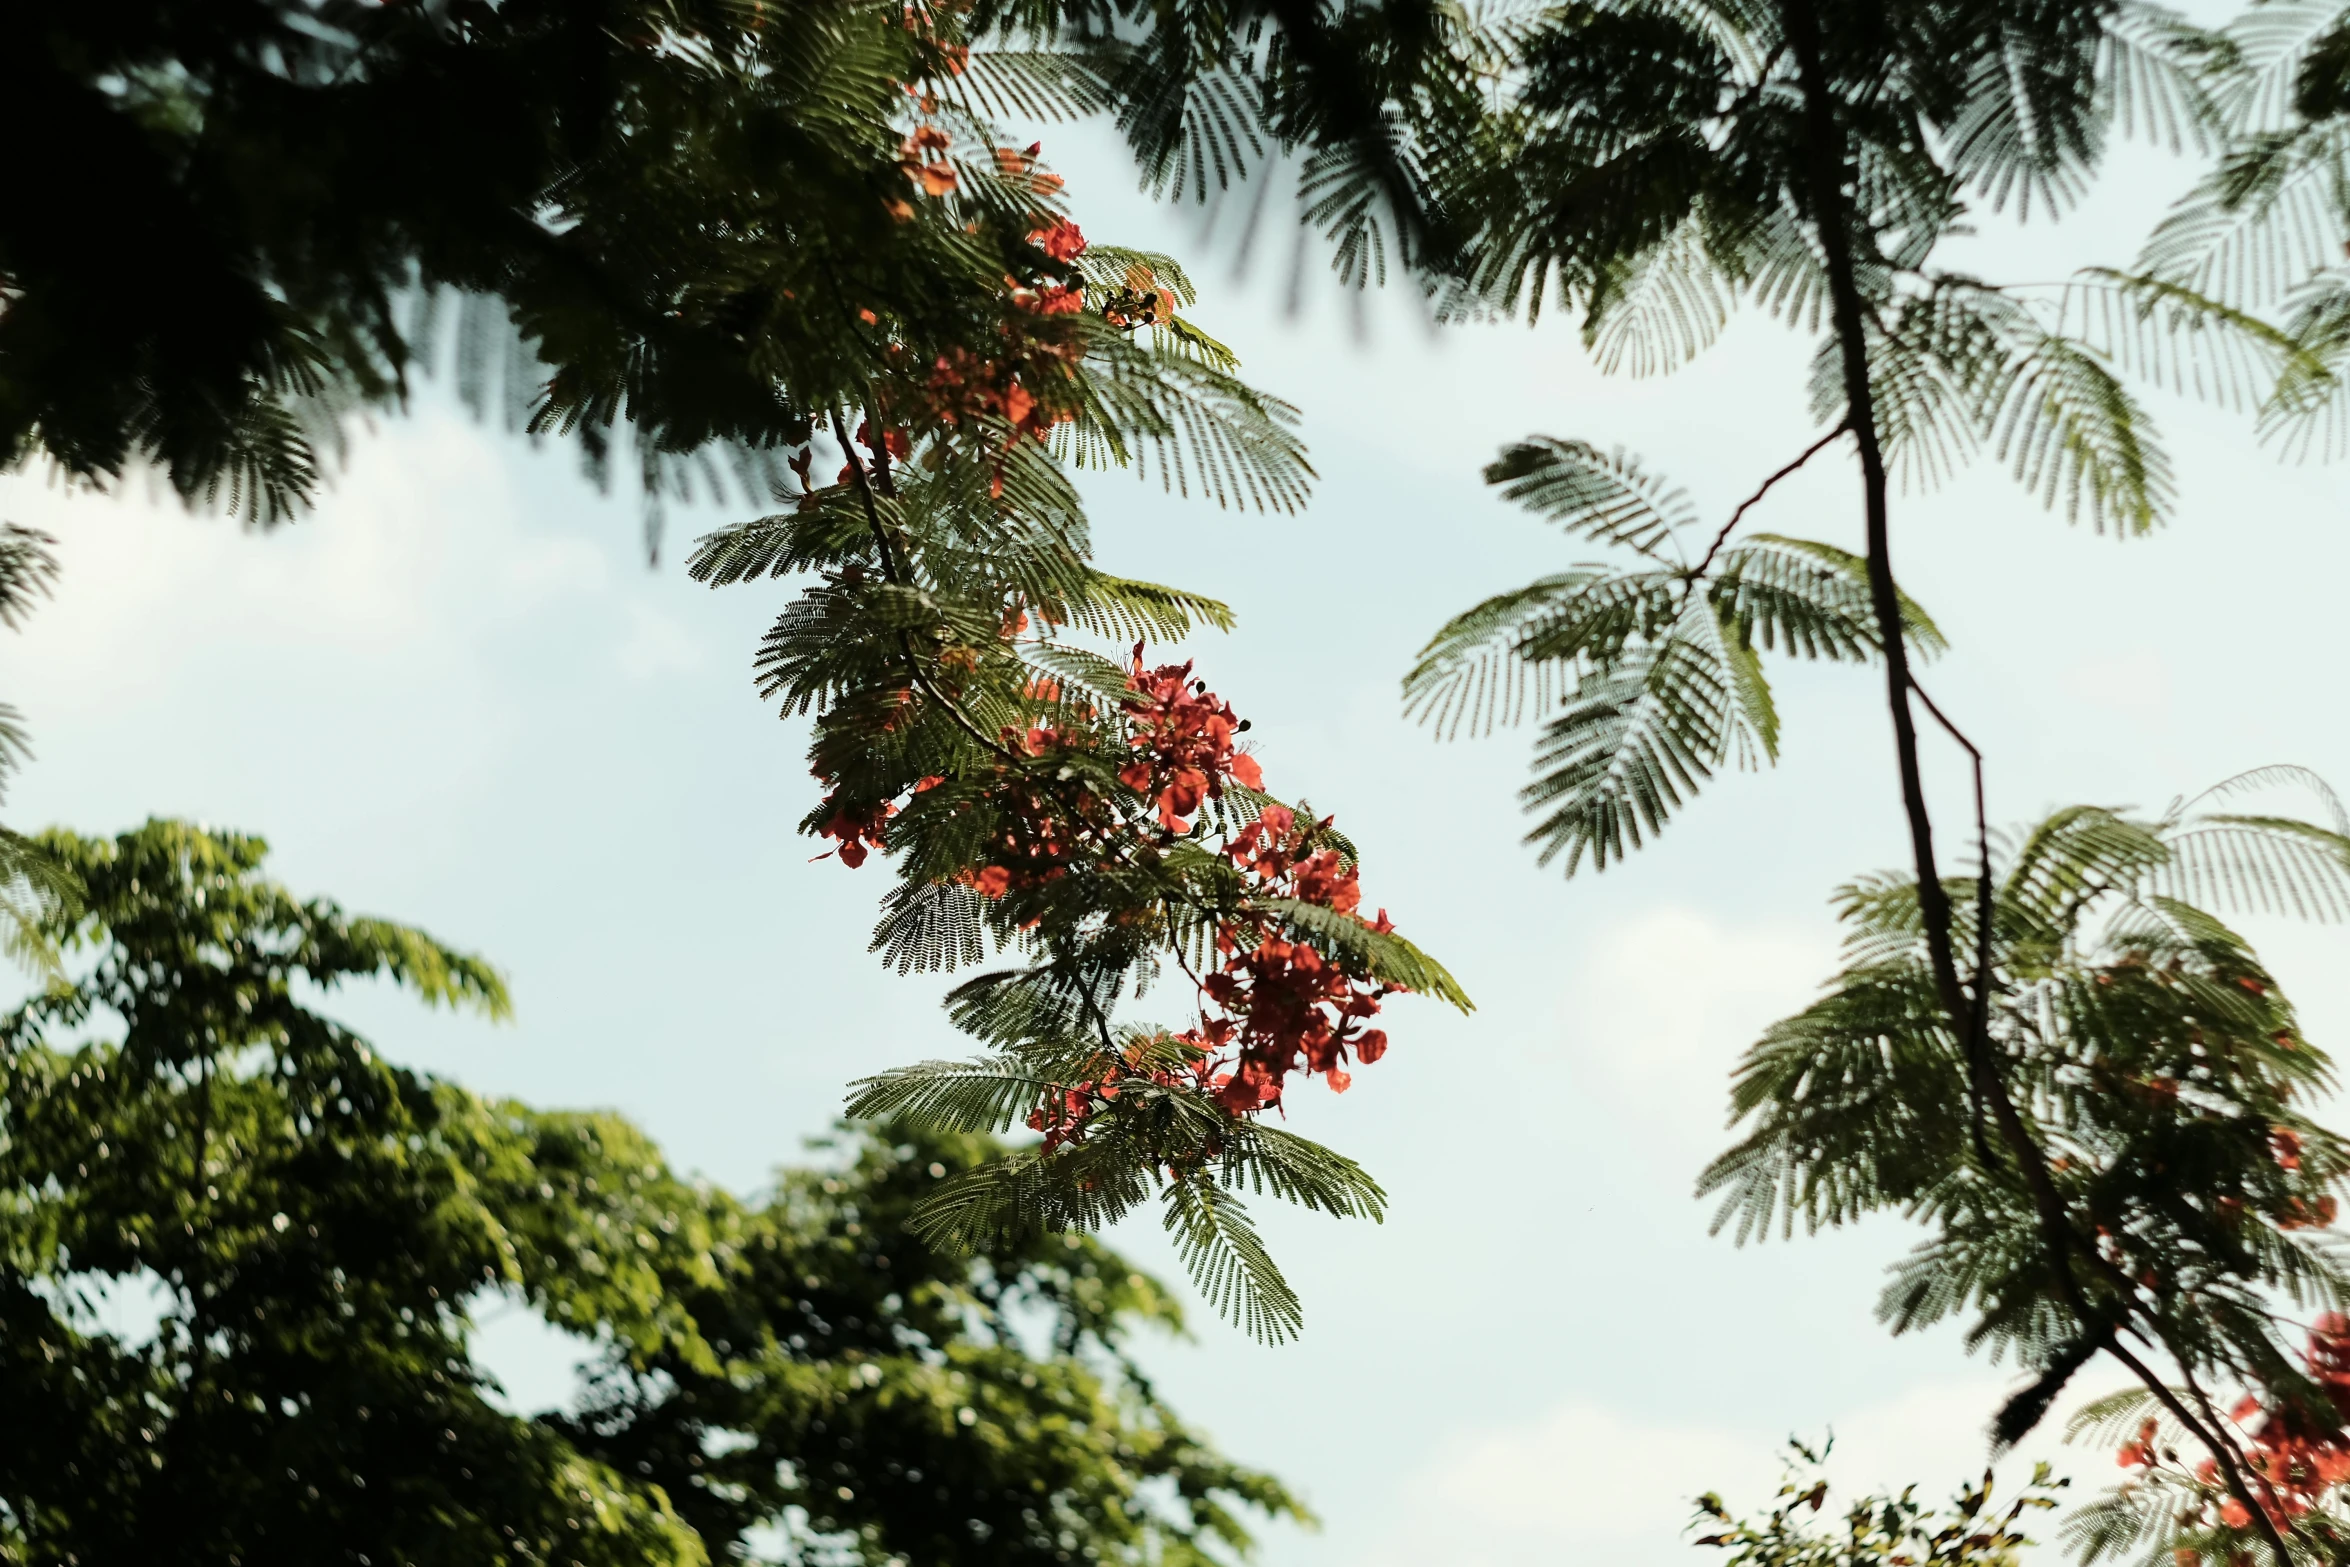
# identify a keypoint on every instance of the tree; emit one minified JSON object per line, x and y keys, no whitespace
{"x":1653,"y":165}
{"x":1649,"y":166}
{"x":793,"y":239}
{"x":315,"y":1229}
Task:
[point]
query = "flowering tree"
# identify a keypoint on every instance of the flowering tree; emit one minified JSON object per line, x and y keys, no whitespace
{"x":1096,"y":812}
{"x":2061,"y":1060}
{"x":749,"y":243}
{"x":2290,"y":1437}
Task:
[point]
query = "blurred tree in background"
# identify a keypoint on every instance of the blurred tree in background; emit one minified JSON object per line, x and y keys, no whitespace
{"x":241,"y":1254}
{"x":683,"y":205}
{"x":1873,"y":1531}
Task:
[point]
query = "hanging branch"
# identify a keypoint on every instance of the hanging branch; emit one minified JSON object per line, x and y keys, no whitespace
{"x":1826,"y":176}
{"x":897,"y":575}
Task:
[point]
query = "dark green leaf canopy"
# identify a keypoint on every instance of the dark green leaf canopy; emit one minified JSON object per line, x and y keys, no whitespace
{"x":242,"y":1256}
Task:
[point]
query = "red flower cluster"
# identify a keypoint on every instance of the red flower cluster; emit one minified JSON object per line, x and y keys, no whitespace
{"x":1183,"y":743}
{"x":1274,"y":1005}
{"x":924,"y":158}
{"x":1064,"y":1117}
{"x":1060,"y":239}
{"x":1278,"y":999}
{"x":858,"y":827}
{"x":962,"y":385}
{"x":2293,"y":1460}
{"x":1046,"y":831}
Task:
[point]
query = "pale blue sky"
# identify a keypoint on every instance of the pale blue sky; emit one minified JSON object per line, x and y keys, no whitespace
{"x":457,"y":696}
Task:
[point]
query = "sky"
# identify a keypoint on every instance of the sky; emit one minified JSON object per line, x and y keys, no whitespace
{"x":459,"y":696}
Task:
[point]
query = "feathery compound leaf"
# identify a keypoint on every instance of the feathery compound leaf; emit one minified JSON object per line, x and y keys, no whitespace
{"x":1227,"y":1260}
{"x":2261,"y":865}
{"x":1606,"y":497}
{"x":1811,"y":599}
{"x":2152,"y":70}
{"x":988,"y":1095}
{"x":2261,"y":222}
{"x":1387,"y":955}
{"x":28,"y":571}
{"x":1634,"y":742}
{"x":930,"y":927}
{"x":1475,"y":671}
{"x":1297,"y":1170}
{"x":1081,"y":1188}
{"x":2268,"y":45}
{"x":1660,"y":309}
{"x":2183,"y":340}
{"x":2279,"y":775}
{"x":1031,"y":84}
{"x":1122,"y":607}
{"x":1974,"y":365}
{"x":39,"y":900}
{"x":1146,"y":404}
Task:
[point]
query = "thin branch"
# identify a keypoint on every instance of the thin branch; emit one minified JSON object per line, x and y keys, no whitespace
{"x":891,"y":568}
{"x":1746,"y":505}
{"x":2222,"y":1450}
{"x":1827,"y":172}
{"x":1979,"y":1023}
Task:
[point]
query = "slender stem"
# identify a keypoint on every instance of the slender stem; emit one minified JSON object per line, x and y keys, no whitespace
{"x":2211,"y":1417}
{"x":1826,"y":174}
{"x":1746,"y":505}
{"x":1979,"y":1021}
{"x":2222,"y":1450}
{"x":891,"y":568}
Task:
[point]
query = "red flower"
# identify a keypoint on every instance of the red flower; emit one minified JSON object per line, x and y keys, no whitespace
{"x":895,"y":440}
{"x":1061,"y":240}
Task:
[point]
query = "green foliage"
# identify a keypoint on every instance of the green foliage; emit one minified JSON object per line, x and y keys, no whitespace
{"x":686,"y":221}
{"x":2157,"y":1068}
{"x":1652,"y":166}
{"x":35,"y":890}
{"x":1650,"y":673}
{"x":1894,"y":1531}
{"x":1159,"y":1128}
{"x":945,"y":579}
{"x":317,"y":1229}
{"x":2265,"y":227}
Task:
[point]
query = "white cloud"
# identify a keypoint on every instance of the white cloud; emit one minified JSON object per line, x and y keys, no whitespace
{"x":1588,"y":1481}
{"x":2135,"y":683}
{"x":1579,"y":1478}
{"x":658,"y":644}
{"x":1671,"y":996}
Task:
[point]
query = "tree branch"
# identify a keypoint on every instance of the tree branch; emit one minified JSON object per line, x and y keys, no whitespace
{"x":1979,"y":1020}
{"x":1746,"y":505}
{"x":895,"y":572}
{"x":1826,"y":172}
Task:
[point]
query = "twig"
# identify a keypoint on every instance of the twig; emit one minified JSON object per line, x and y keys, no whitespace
{"x":1746,"y":505}
{"x":891,"y":568}
{"x":1979,"y":1023}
